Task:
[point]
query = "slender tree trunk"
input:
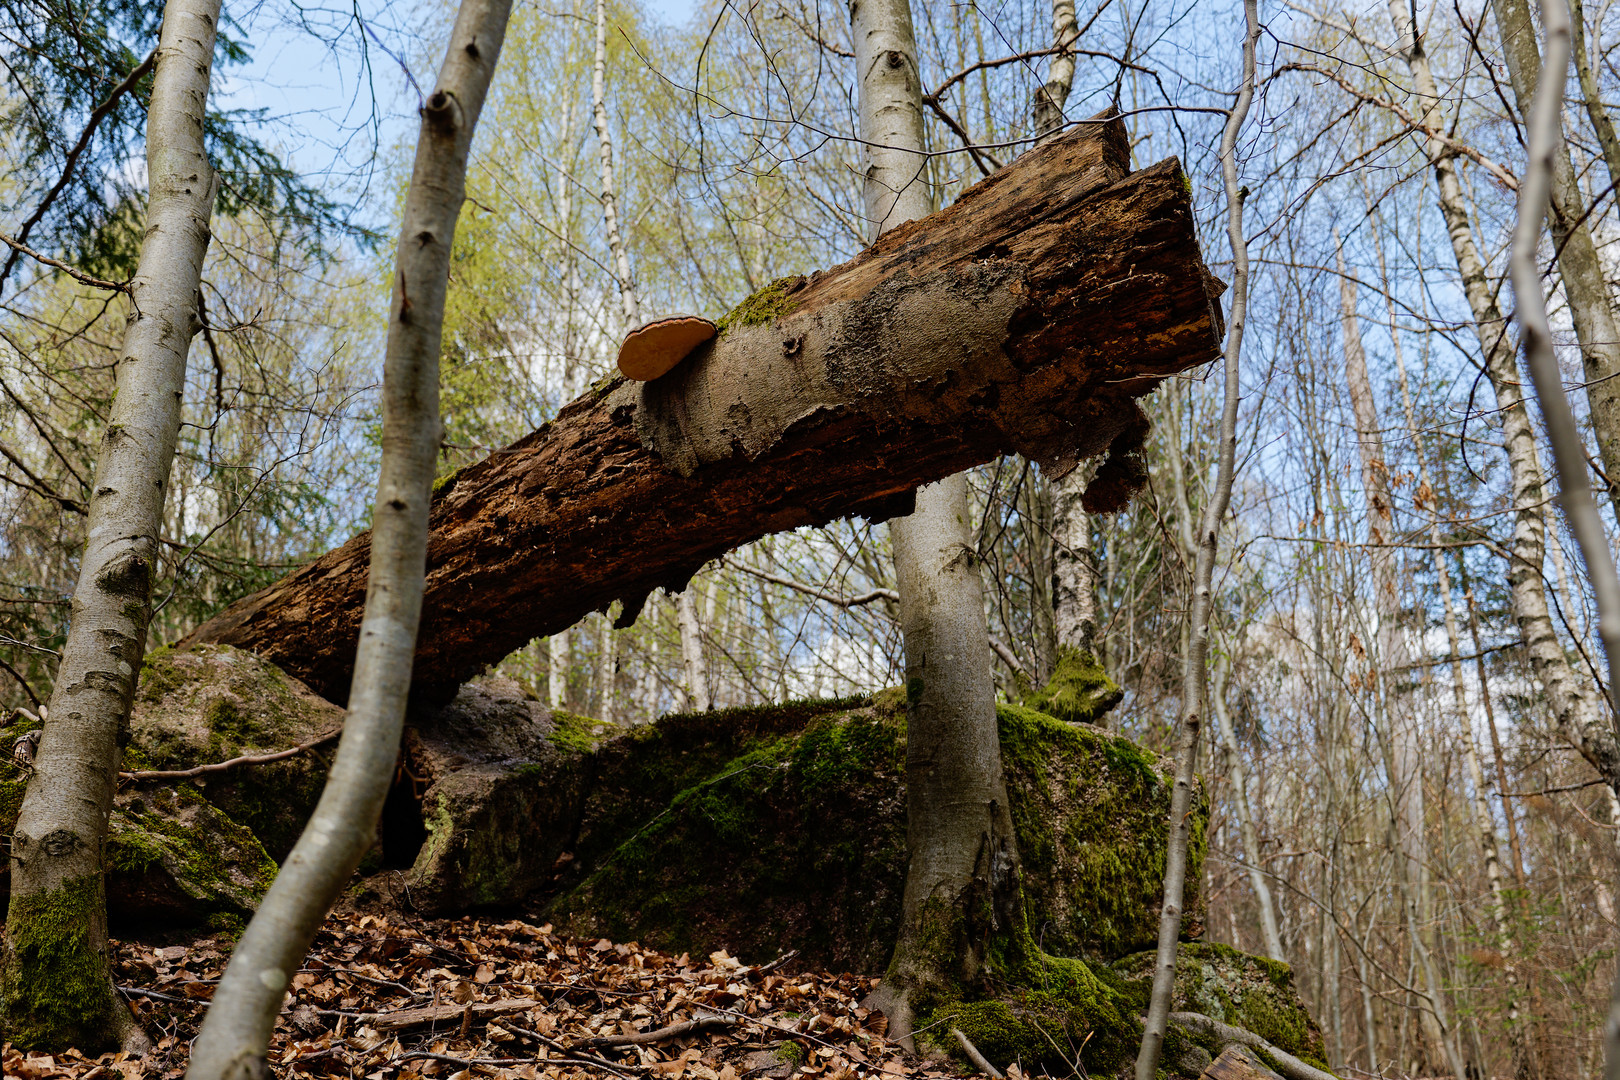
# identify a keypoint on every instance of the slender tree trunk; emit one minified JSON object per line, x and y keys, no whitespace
{"x":629,"y":302}
{"x":959,"y":833}
{"x":1596,"y":112}
{"x":236,"y":1031}
{"x":1050,"y":98}
{"x":695,"y":685}
{"x":560,"y":662}
{"x":1392,"y":701}
{"x":1548,"y":162}
{"x":1590,"y":306}
{"x":1569,"y":697}
{"x":55,"y":980}
{"x":1074,"y":564}
{"x":1194,"y":663}
{"x":1250,"y":836}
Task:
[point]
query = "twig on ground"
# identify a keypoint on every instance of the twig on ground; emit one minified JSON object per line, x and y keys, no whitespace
{"x":977,"y":1058}
{"x":673,"y":1031}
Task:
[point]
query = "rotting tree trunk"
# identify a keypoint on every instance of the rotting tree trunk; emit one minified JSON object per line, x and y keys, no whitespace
{"x":236,"y":1032}
{"x":56,"y":986}
{"x":963,"y":858}
{"x":1028,"y":316}
{"x":1590,"y":306}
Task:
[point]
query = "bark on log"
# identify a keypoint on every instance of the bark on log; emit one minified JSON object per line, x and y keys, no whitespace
{"x":1027,"y":316}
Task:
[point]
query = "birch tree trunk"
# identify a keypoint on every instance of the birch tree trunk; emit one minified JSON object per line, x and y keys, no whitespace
{"x":1590,"y":306}
{"x":695,"y":687}
{"x":1569,"y":697}
{"x":1596,"y":112}
{"x":236,"y":1031}
{"x":959,"y":833}
{"x":55,"y":983}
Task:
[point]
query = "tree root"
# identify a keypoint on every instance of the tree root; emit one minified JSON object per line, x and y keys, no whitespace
{"x":1287,"y":1064}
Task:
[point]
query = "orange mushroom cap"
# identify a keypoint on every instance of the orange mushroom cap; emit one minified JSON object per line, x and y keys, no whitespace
{"x":654,"y":348}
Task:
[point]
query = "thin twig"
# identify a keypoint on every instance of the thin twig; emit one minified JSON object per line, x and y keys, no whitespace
{"x":221,"y":766}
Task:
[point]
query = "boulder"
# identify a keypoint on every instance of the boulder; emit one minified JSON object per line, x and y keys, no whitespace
{"x":1236,"y":988}
{"x":489,"y":796}
{"x":783,"y":827}
{"x":200,"y":851}
{"x":214,"y":703}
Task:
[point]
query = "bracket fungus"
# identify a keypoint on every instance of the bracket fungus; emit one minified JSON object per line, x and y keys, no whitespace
{"x":653,"y":348}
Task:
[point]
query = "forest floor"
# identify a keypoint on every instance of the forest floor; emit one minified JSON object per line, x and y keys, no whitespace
{"x":392,"y":996}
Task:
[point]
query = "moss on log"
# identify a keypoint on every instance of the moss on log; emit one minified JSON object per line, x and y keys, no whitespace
{"x":1029,"y":316}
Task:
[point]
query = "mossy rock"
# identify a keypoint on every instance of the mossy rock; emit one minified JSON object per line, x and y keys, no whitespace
{"x":1240,"y":989}
{"x":174,"y":859}
{"x":1066,"y":1013}
{"x":784,"y":827}
{"x":1091,"y":809}
{"x":215,"y":702}
{"x":498,"y":784}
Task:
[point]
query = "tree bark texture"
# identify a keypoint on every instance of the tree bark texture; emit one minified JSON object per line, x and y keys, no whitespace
{"x":1569,"y":697}
{"x":1590,"y":306}
{"x":1028,"y":316}
{"x":963,"y":859}
{"x":236,"y":1032}
{"x":55,"y":985}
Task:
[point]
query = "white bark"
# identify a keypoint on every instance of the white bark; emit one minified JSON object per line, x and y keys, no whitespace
{"x":1541,"y":180}
{"x":236,"y":1031}
{"x":1569,"y":697}
{"x":56,"y":851}
{"x":955,"y":790}
{"x":558,"y":650}
{"x":1050,"y":98}
{"x":695,"y":687}
{"x":1590,"y":306}
{"x":604,"y":144}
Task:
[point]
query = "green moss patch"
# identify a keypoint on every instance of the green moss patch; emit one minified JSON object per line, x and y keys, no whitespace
{"x":1091,"y":812}
{"x":55,"y":987}
{"x":768,"y":303}
{"x":1079,"y":692}
{"x":1237,"y":988}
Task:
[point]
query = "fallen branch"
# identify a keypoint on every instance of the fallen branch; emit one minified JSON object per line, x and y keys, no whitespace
{"x":221,"y":766}
{"x":1287,"y":1064}
{"x":673,"y":1031}
{"x":577,"y":1055}
{"x":977,"y":1058}
{"x":420,"y":1016}
{"x":775,"y":964}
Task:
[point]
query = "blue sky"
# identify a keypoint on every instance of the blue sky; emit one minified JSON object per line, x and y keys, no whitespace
{"x":333,"y":116}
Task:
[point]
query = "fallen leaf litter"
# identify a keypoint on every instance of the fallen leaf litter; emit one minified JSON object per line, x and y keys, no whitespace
{"x":391,"y":997}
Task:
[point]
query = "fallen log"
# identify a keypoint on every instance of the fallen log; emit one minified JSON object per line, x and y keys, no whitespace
{"x":1028,"y":316}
